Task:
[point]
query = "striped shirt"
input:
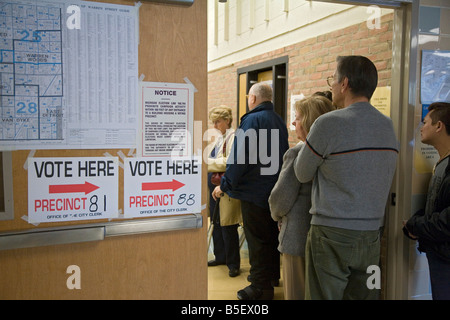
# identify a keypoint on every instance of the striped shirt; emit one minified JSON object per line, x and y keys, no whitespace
{"x":350,"y":154}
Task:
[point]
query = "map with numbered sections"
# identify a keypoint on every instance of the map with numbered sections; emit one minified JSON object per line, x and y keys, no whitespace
{"x":31,"y":72}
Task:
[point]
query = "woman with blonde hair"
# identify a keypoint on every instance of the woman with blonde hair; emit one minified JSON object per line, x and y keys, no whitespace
{"x":290,"y":201}
{"x":228,"y":216}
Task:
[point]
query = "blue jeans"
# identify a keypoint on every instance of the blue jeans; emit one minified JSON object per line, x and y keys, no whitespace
{"x":439,"y":276}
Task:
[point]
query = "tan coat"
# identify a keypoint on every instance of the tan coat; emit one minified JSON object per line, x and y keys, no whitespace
{"x":230,"y":208}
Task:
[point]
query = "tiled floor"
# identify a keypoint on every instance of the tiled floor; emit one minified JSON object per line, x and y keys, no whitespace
{"x":222,"y":287}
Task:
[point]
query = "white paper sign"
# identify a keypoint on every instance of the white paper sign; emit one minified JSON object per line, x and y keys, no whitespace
{"x":162,"y":186}
{"x":167,"y":113}
{"x":70,"y":189}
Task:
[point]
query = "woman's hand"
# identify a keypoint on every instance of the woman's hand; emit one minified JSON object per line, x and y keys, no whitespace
{"x":217,"y":193}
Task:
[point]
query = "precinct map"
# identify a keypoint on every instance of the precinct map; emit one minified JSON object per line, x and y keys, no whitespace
{"x":68,"y":75}
{"x":31,"y":72}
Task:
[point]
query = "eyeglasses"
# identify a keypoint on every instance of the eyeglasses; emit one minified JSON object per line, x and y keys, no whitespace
{"x":330,"y":80}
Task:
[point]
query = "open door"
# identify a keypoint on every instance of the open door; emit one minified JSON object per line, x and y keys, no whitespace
{"x":274,"y":72}
{"x":395,"y":250}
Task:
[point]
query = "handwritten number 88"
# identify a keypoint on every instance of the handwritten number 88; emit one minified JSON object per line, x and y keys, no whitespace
{"x":189,"y":200}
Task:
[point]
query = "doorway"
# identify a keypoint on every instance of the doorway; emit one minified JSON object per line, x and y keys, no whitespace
{"x":304,"y":66}
{"x":272,"y":72}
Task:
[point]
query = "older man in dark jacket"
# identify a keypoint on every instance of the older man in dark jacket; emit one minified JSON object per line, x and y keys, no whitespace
{"x":252,"y":171}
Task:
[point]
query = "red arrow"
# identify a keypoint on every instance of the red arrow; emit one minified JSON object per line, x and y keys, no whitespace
{"x":73,"y":188}
{"x":174,"y":185}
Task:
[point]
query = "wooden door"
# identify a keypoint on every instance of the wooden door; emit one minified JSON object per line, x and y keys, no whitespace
{"x":164,"y":265}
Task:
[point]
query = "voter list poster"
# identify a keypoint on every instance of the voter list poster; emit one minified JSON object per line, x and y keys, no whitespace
{"x":71,"y":189}
{"x":162,"y":186}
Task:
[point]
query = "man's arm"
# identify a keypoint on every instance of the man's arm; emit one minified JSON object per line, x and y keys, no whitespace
{"x":435,"y":227}
{"x":309,"y":158}
{"x":239,"y":159}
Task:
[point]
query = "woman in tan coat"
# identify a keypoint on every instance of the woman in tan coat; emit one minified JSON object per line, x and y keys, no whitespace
{"x":228,"y":217}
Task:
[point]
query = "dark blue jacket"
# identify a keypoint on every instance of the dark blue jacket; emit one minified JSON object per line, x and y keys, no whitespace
{"x":253,"y":167}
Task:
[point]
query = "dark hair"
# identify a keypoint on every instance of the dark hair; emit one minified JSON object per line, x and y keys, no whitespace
{"x":361,"y":73}
{"x":441,"y":112}
{"x":326,"y":94}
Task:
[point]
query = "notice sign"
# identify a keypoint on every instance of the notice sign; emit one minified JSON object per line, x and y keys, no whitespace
{"x":381,"y":100}
{"x":162,"y":186}
{"x":70,"y":189}
{"x":166,"y":111}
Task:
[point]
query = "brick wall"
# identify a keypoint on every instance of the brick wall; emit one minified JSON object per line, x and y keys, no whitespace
{"x":311,"y":62}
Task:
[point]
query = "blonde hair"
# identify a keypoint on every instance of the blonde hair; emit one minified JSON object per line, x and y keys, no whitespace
{"x":311,"y":108}
{"x":221,"y":112}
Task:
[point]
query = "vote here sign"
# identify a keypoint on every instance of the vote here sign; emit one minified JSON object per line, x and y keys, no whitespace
{"x":161,"y":186}
{"x":69,"y":189}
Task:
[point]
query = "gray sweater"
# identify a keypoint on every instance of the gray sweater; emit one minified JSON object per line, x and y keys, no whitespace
{"x":351,"y":154}
{"x":290,"y":202}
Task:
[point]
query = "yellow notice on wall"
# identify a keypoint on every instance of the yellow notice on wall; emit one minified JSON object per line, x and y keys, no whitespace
{"x":381,"y":100}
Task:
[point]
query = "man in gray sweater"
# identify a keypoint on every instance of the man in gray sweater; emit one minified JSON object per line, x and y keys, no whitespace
{"x":350,"y":154}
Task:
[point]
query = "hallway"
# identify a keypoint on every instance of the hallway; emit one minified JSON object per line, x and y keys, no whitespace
{"x":223,"y":287}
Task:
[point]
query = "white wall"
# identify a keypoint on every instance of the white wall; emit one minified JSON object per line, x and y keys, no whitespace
{"x":276,"y":24}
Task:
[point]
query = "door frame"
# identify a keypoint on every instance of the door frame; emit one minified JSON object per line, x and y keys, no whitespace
{"x":249,"y":75}
{"x":403,"y":101}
